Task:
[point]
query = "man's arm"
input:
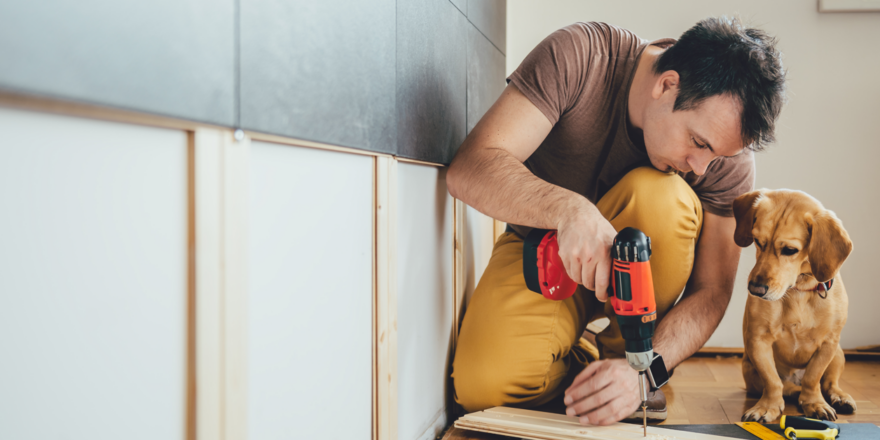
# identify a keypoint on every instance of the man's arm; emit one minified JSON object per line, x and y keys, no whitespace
{"x":607,"y":390}
{"x":692,"y":321}
{"x":488,"y":174}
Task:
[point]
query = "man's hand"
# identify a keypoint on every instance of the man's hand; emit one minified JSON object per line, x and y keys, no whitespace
{"x":585,"y":239}
{"x":606,"y":392}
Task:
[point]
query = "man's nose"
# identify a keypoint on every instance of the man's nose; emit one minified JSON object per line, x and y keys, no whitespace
{"x":700,"y":162}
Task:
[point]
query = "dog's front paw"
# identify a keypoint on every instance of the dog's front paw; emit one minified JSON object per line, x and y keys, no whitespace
{"x":819,"y":410}
{"x":766,"y":411}
{"x":842,"y":402}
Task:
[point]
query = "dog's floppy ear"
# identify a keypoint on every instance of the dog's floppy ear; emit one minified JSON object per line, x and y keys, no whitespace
{"x":744,"y":213}
{"x":829,"y":245}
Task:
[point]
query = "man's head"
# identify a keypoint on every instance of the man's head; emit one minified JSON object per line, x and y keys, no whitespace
{"x":718,"y":90}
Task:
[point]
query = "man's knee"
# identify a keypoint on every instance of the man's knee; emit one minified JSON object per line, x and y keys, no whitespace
{"x":658,"y":192}
{"x":646,"y":197}
{"x":482,"y":383}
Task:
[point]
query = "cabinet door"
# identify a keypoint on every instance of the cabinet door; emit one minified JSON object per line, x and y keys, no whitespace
{"x":93,"y":279}
{"x":310,"y":294}
{"x":424,"y":298}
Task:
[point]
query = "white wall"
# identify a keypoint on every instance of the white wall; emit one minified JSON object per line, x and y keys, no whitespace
{"x":310,"y":294}
{"x":424,"y":299}
{"x":93,"y":280}
{"x":828,"y":134}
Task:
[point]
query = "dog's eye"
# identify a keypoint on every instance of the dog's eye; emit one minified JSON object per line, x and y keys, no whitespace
{"x":758,"y":244}
{"x":789,"y":251}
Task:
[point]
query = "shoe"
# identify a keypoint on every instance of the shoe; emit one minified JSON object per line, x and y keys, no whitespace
{"x":656,"y":409}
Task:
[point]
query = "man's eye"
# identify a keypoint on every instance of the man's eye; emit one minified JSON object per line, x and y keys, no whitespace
{"x":699,"y":145}
{"x":789,"y":251}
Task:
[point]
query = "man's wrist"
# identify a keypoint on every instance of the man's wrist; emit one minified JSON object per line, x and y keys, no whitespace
{"x":579,"y":211}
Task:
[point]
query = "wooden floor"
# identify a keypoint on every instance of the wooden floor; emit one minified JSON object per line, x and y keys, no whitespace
{"x":707,"y":390}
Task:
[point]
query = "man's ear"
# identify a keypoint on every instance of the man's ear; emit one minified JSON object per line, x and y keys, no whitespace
{"x":829,"y":245}
{"x":666,"y":81}
{"x":744,"y":213}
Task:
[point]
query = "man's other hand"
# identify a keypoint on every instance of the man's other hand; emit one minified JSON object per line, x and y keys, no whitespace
{"x":606,"y":392}
{"x":585,"y":240}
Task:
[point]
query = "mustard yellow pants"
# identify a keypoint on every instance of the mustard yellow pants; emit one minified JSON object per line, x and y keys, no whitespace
{"x":517,"y":348}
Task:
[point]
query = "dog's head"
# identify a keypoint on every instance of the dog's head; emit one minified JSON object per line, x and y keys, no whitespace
{"x":798,"y":241}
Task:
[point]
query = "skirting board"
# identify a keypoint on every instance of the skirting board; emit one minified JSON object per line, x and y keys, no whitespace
{"x":538,"y":425}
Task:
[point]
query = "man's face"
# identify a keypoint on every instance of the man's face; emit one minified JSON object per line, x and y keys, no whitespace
{"x":688,"y":140}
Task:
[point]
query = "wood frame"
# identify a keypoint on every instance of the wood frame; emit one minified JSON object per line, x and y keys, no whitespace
{"x":385,"y":324}
{"x":220,"y":210}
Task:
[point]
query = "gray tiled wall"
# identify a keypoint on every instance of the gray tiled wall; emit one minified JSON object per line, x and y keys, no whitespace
{"x":322,"y":71}
{"x":431,"y":79}
{"x":169,"y":57}
{"x":405,"y":77}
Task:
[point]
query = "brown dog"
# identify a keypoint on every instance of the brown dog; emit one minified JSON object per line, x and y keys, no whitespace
{"x":794,"y":317}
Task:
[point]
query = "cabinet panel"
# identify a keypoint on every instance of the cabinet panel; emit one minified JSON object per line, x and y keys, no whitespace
{"x":424,"y":298}
{"x":310,"y":293}
{"x":93,"y":257}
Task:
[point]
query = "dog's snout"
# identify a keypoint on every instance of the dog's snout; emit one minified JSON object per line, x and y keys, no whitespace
{"x":757,"y":289}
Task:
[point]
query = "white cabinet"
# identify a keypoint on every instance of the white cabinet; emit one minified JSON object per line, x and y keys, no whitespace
{"x":309,"y":294}
{"x":93,"y":279}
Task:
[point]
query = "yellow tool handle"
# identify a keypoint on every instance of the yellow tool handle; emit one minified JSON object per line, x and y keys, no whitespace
{"x":798,"y":434}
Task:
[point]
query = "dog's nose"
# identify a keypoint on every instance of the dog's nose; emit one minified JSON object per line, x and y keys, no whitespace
{"x":757,"y":289}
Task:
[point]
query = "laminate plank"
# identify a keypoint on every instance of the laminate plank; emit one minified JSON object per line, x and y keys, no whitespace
{"x":704,"y":409}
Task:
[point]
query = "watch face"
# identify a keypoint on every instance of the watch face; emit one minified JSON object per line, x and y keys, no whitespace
{"x":657,"y":374}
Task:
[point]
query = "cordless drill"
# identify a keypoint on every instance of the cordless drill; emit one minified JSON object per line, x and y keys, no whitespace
{"x":631,"y":281}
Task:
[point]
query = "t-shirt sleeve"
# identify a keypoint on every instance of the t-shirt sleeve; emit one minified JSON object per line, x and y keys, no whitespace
{"x":555,"y":73}
{"x":725,"y":179}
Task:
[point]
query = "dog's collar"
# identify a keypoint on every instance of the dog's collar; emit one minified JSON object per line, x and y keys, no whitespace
{"x":823,"y":288}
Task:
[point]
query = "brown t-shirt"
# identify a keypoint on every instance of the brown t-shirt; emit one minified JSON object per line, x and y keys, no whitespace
{"x":579,"y":77}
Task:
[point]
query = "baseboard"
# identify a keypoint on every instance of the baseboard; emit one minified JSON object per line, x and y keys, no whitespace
{"x":738,"y":351}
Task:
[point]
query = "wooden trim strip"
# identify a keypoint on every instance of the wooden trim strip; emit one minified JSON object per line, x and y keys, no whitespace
{"x":716,"y":351}
{"x":236,"y":166}
{"x":208,"y":283}
{"x":386,"y":298}
{"x":93,"y":111}
{"x":264,"y":137}
{"x":418,"y":162}
{"x":190,"y":429}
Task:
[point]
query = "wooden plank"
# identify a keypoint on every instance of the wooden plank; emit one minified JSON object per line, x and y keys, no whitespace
{"x":236,"y":165}
{"x":418,"y":162}
{"x":386,"y":298}
{"x":498,"y":229}
{"x":459,"y":271}
{"x":265,"y":137}
{"x":459,"y":267}
{"x":190,"y":428}
{"x":546,"y":426}
{"x":220,"y":216}
{"x":851,"y":354}
{"x":208,"y":283}
{"x":704,"y":409}
{"x":57,"y":106}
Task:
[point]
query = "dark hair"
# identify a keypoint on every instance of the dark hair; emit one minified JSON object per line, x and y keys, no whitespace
{"x":720,"y":56}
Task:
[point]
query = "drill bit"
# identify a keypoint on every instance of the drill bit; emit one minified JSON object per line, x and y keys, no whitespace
{"x":643,"y":393}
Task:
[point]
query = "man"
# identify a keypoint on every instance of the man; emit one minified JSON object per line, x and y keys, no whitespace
{"x":598,"y":130}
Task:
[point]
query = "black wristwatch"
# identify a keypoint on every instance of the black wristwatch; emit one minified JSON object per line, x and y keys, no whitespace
{"x":657,"y":374}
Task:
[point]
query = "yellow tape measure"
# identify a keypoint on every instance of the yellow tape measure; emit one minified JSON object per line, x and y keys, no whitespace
{"x":760,"y":431}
